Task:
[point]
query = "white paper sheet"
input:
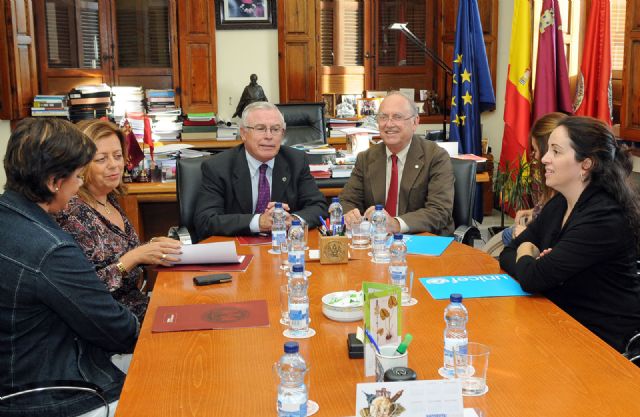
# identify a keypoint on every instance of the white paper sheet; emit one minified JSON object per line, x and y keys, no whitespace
{"x":209,"y":253}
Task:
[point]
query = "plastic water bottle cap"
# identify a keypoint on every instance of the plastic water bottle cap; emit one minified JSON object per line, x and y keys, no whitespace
{"x":397,"y":236}
{"x":291,"y":347}
{"x":295,"y":222}
{"x":378,"y":206}
{"x":455,"y":298}
{"x":298,"y":268}
{"x":335,"y":200}
{"x":278,"y":205}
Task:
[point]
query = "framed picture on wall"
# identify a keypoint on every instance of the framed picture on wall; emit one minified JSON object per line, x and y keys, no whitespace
{"x":246,"y":14}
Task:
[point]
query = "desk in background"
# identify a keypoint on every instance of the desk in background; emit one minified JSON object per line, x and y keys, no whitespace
{"x":152,"y":207}
{"x":542,"y":363}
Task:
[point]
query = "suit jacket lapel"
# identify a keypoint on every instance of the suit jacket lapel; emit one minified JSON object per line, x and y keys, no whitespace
{"x":378,"y":175}
{"x":280,"y":178}
{"x":412,"y":167}
{"x":242,"y":182}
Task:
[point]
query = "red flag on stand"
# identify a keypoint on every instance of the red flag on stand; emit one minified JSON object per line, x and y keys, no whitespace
{"x":517,"y":106}
{"x":551,"y":93}
{"x":593,"y":91}
{"x":148,"y":139}
{"x":134,"y":153}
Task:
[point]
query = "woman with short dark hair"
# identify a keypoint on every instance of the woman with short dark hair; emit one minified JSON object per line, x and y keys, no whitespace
{"x":57,"y":320}
{"x":582,"y":249}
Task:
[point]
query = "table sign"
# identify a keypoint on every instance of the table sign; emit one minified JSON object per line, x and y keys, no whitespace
{"x":430,"y":398}
{"x":473,"y":286}
{"x":382,"y":318}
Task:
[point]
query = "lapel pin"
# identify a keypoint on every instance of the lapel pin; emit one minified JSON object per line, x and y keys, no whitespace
{"x":417,"y":166}
{"x":284,"y":179}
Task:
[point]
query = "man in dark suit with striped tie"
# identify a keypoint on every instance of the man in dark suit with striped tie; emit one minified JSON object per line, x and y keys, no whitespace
{"x":241,"y":185}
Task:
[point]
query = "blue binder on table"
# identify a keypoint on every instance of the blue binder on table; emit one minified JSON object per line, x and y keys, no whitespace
{"x":473,"y":286}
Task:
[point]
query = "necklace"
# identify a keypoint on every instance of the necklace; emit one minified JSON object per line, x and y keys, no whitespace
{"x":106,"y":208}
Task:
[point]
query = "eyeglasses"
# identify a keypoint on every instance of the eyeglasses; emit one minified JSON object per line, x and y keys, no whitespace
{"x":262,"y":129}
{"x":396,"y":118}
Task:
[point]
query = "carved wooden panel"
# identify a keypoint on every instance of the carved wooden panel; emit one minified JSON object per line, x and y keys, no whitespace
{"x":196,"y":42}
{"x":630,"y":112}
{"x":5,"y":69}
{"x":298,"y":50}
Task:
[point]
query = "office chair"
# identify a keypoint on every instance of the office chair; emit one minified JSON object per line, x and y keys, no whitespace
{"x":464,"y":172}
{"x":188,"y":181}
{"x":305,"y":124}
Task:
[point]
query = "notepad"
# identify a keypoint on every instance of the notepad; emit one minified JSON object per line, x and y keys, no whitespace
{"x":427,"y":245}
{"x":473,"y":286}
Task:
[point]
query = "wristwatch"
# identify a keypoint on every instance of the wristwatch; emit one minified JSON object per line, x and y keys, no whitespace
{"x":121,"y":268}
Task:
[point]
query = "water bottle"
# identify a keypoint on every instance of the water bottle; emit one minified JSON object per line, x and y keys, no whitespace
{"x":296,"y":244}
{"x":278,"y":228}
{"x":381,"y":253}
{"x":398,"y":266}
{"x":298,"y":301}
{"x":292,"y":391}
{"x":455,"y":332}
{"x":335,"y":216}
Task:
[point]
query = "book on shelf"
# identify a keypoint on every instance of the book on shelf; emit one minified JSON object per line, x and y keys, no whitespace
{"x":199,"y":135}
{"x":204,"y":128}
{"x":89,"y":100}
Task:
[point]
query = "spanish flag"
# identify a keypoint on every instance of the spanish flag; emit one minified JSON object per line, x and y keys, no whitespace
{"x":593,"y":91}
{"x":517,"y":108}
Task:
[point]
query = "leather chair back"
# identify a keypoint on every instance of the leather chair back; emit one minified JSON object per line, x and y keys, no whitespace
{"x":305,"y":124}
{"x":464,"y":172}
{"x":188,"y":181}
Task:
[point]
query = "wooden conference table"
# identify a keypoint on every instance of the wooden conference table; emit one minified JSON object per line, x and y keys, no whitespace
{"x":542,"y":363}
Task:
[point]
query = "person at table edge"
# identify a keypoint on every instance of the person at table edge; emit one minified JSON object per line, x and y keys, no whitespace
{"x":423,"y":197}
{"x":241,"y":185}
{"x":581,"y":251}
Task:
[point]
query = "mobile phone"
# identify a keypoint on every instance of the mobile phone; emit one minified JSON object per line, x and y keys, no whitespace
{"x":211,"y":279}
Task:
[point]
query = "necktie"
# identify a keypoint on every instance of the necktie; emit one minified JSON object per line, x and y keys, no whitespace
{"x":392,"y":195}
{"x":264,"y":194}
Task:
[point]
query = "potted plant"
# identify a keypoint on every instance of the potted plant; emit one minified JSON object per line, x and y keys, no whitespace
{"x":514,"y":185}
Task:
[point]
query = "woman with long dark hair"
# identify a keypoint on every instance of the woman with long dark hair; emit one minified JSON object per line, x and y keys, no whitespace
{"x":582,"y":249}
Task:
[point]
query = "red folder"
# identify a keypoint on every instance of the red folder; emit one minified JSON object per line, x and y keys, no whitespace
{"x":211,"y":316}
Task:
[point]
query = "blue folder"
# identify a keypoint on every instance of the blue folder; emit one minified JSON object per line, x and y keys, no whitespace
{"x":473,"y":286}
{"x":427,"y":245}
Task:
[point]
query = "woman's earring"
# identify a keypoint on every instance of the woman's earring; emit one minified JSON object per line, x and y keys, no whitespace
{"x":56,"y":190}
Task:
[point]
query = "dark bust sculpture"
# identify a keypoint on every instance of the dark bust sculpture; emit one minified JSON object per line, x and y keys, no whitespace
{"x":252,"y":92}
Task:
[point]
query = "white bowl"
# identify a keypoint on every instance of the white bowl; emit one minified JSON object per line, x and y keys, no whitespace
{"x":352,"y":312}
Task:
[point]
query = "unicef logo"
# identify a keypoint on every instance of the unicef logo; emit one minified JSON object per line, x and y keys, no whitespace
{"x":437,"y":281}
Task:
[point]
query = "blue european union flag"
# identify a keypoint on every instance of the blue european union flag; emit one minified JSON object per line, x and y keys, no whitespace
{"x":472,"y":90}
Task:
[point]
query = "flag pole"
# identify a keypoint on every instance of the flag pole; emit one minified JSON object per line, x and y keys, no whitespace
{"x":402,"y":27}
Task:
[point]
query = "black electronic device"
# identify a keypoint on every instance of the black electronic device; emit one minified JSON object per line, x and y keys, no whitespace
{"x":211,"y":279}
{"x":355,"y":346}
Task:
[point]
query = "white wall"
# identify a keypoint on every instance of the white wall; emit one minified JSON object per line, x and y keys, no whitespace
{"x":240,"y":53}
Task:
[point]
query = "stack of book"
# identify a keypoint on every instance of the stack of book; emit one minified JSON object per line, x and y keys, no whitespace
{"x":160,"y":100}
{"x":199,"y":126}
{"x":126,"y":100}
{"x":336,"y":126}
{"x":89,"y":102}
{"x":165,"y":126}
{"x":50,"y":106}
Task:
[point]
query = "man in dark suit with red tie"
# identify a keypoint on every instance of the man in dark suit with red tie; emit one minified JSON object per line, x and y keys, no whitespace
{"x":411,"y":176}
{"x":241,"y":185}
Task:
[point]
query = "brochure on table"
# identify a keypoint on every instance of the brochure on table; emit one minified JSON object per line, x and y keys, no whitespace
{"x":382,"y":318}
{"x":442,"y":398}
{"x":473,"y":286}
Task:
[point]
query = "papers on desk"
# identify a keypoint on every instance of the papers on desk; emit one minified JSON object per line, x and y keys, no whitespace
{"x":427,"y":245}
{"x":209,"y":253}
{"x":473,"y":286}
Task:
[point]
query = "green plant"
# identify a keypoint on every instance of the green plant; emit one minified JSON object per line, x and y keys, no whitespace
{"x":514,"y":184}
